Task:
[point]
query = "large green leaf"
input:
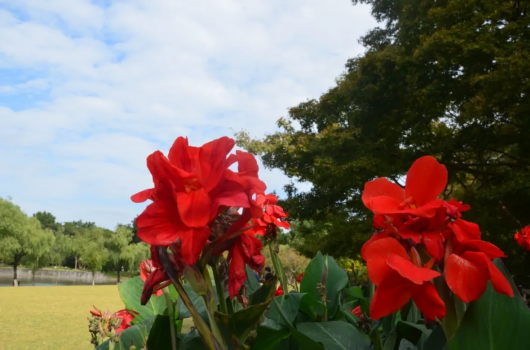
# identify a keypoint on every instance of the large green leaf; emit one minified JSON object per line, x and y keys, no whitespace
{"x":264,"y":292}
{"x":356,"y":294}
{"x":494,"y":321}
{"x":130,"y":293}
{"x":251,"y":282}
{"x":240,"y":323}
{"x":270,"y":334}
{"x":335,"y":335}
{"x":336,"y":280}
{"x":196,"y":300}
{"x":160,"y":334}
{"x":289,"y":305}
{"x":191,"y":341}
{"x":136,"y":334}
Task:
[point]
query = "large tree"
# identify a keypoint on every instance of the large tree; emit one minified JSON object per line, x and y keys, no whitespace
{"x":446,"y":78}
{"x":21,"y":236}
{"x":116,"y":243}
{"x":92,"y":251}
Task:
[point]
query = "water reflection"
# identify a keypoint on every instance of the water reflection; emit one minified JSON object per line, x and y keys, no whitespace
{"x":48,"y":281}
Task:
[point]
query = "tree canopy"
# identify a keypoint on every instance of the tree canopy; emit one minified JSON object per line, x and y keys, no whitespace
{"x":444,"y":78}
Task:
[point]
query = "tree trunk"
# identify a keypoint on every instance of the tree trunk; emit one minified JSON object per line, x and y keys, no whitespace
{"x":15,"y":280}
{"x":93,"y":278}
{"x":75,"y":264}
{"x":33,"y":276}
{"x":118,"y":275}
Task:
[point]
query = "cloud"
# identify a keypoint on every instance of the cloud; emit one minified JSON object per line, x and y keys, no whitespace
{"x":92,"y":87}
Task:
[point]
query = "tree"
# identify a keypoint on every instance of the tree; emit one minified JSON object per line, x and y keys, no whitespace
{"x":21,"y":236}
{"x":116,"y":243}
{"x":92,"y":251}
{"x":134,"y":254}
{"x":47,"y":220}
{"x":63,"y":247}
{"x":293,"y":263}
{"x":445,"y":78}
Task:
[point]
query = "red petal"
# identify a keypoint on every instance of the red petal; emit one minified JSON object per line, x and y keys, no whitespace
{"x":428,"y":301}
{"x":376,"y":253}
{"x":142,"y":196}
{"x":247,"y":164}
{"x":157,"y":277}
{"x":498,"y":280}
{"x":236,"y":272}
{"x":178,"y":154}
{"x":193,"y":242}
{"x":382,"y":187}
{"x":434,"y":245}
{"x":384,"y":205}
{"x":426,"y":180}
{"x":389,"y":297}
{"x":491,"y":250}
{"x":158,"y":225}
{"x":213,"y":161}
{"x":194,"y":207}
{"x":467,"y":279}
{"x":465,"y":230}
{"x":409,"y":271}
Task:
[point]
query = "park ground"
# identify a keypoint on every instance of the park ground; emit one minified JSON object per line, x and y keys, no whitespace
{"x":51,"y":318}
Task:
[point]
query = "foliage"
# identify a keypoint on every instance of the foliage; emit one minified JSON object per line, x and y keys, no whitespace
{"x":446,"y":78}
{"x":92,"y":251}
{"x":293,"y":263}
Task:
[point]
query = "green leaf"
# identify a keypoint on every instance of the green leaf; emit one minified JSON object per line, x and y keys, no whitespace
{"x":435,"y":341}
{"x":160,"y":334}
{"x":137,"y":334}
{"x":410,"y":331}
{"x":251,"y":282}
{"x":270,"y":335}
{"x":336,"y":280}
{"x":131,"y":292}
{"x":356,"y":294}
{"x":406,"y":345}
{"x":240,"y":323}
{"x":191,"y":341}
{"x":489,"y":321}
{"x":264,"y":292}
{"x":285,"y":308}
{"x":196,"y":300}
{"x":335,"y":335}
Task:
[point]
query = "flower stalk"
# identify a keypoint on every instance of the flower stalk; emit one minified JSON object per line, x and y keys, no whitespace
{"x":171,"y":310}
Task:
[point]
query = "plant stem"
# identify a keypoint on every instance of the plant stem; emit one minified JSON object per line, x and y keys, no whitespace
{"x":219,"y":287}
{"x":205,"y":332}
{"x":450,"y":321}
{"x":278,"y":268}
{"x":211,"y":306}
{"x":172,"y":325}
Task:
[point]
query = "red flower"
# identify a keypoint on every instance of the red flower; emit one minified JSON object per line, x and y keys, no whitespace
{"x":126,"y":317}
{"x":146,"y":269}
{"x":426,"y":179}
{"x":279,"y":291}
{"x":273,"y":214}
{"x":246,"y":250}
{"x":191,"y":186}
{"x":357,"y":311}
{"x":468,"y":268}
{"x":299,"y":277}
{"x":523,"y":238}
{"x":398,"y":279}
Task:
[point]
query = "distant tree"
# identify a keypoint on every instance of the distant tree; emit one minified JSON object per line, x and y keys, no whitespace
{"x":116,"y":242}
{"x":21,"y":236}
{"x":47,"y":220}
{"x":63,"y":247}
{"x":92,"y":252}
{"x":134,"y":254}
{"x":293,"y":263}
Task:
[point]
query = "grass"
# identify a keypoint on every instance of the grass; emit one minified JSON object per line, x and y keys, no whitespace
{"x":46,"y":318}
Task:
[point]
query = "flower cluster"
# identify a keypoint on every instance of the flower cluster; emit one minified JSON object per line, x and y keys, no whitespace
{"x":200,"y":207}
{"x":421,"y":237}
{"x":121,"y":318}
{"x":523,"y":238}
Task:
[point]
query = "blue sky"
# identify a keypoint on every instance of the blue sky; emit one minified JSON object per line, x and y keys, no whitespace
{"x":88,"y":89}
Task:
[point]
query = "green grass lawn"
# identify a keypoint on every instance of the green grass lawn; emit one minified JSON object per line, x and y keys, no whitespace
{"x":53,"y":318}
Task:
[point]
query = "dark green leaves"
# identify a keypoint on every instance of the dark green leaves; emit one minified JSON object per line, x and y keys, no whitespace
{"x":335,"y":335}
{"x":130,"y":293}
{"x":494,"y":321}
{"x":325,"y":269}
{"x":240,"y":323}
{"x":160,"y":334}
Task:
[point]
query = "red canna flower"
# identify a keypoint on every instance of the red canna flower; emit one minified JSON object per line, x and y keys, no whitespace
{"x":523,"y":238}
{"x":279,"y":291}
{"x":299,"y":277}
{"x":273,"y":214}
{"x":398,"y":279}
{"x":426,"y":179}
{"x":357,"y":311}
{"x":246,"y":250}
{"x":468,"y":268}
{"x":146,"y":269}
{"x":191,"y":187}
{"x":126,"y":317}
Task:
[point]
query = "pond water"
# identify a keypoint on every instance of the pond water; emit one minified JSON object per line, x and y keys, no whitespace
{"x":25,"y":281}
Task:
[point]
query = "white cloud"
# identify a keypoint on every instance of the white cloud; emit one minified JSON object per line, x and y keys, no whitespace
{"x":124,"y":80}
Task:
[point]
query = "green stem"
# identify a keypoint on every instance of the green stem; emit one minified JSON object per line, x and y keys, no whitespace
{"x":219,"y":287}
{"x":450,"y":321}
{"x":172,"y":325}
{"x":211,"y":306}
{"x":278,"y":268}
